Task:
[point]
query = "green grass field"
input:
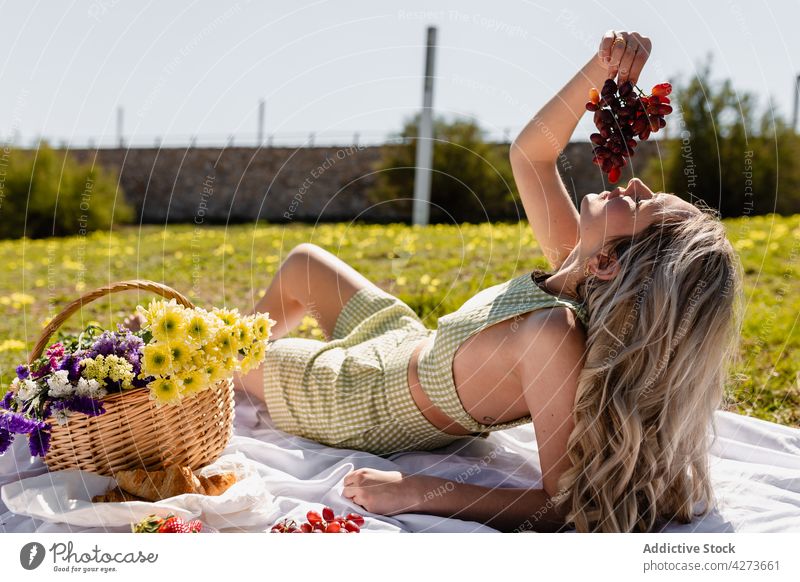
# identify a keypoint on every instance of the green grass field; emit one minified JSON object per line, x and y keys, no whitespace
{"x":434,"y":270}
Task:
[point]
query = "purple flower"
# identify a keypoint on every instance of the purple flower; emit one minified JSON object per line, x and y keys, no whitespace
{"x":23,"y":371}
{"x":43,"y":370}
{"x":123,"y":344}
{"x":39,"y":442}
{"x":17,"y":423}
{"x":71,"y":363}
{"x":6,"y":438}
{"x":84,"y":404}
{"x":105,"y":344}
{"x":6,"y":402}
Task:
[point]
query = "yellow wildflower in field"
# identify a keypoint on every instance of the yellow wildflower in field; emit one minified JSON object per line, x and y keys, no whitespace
{"x":225,"y":249}
{"x":12,"y":345}
{"x":779,"y":230}
{"x":17,"y":300}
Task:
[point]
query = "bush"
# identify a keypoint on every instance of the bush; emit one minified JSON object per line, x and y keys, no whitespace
{"x":471,"y":181}
{"x":726,"y":154}
{"x":47,"y":192}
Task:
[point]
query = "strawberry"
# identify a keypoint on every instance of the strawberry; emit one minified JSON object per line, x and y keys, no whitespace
{"x":195,"y":526}
{"x":174,"y":525}
{"x":149,"y":524}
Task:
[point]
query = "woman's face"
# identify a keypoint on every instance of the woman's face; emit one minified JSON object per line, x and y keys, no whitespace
{"x":624,"y":211}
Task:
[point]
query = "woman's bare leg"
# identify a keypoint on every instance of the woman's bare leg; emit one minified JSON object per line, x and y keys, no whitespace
{"x":310,"y":280}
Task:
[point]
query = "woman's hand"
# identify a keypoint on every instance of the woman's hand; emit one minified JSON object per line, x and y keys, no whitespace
{"x":624,"y":54}
{"x":383,"y":492}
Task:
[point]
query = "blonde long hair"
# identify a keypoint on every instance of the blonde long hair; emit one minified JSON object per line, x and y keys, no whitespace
{"x":660,"y":337}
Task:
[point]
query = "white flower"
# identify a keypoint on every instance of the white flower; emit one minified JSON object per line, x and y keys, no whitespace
{"x":27,"y":390}
{"x":14,"y":384}
{"x":61,"y":416}
{"x":60,"y":385}
{"x":90,"y":388}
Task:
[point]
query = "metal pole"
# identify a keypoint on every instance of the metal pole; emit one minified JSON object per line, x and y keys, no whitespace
{"x":796,"y":102}
{"x":260,"y":123}
{"x":424,"y":162}
{"x":120,"y":115}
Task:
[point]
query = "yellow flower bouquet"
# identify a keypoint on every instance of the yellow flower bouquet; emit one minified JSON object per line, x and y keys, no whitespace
{"x":188,"y":350}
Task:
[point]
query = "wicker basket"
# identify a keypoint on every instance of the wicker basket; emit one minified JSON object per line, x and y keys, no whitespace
{"x":134,"y":432}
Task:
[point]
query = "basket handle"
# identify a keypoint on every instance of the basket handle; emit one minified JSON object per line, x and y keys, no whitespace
{"x":65,"y":313}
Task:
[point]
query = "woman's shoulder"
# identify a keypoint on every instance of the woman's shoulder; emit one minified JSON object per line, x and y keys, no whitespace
{"x":553,"y":329}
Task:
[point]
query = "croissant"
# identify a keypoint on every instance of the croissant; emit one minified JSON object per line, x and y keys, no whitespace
{"x":115,"y":495}
{"x":157,"y":485}
{"x":217,"y":484}
{"x":142,"y":485}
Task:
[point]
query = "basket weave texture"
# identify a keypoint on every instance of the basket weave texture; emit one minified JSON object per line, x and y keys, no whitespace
{"x":134,"y":432}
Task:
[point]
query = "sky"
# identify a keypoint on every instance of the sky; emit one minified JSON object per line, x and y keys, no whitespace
{"x":336,"y":68}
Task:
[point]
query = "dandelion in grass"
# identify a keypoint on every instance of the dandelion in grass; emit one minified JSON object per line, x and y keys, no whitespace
{"x":165,"y":391}
{"x":157,"y":360}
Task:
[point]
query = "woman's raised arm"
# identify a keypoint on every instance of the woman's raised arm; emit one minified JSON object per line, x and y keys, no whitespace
{"x":535,"y":151}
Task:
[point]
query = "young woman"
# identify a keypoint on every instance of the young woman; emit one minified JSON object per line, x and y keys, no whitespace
{"x":617,"y":356}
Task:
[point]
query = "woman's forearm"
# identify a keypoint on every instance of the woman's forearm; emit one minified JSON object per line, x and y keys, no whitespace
{"x":505,"y":509}
{"x":547,"y":134}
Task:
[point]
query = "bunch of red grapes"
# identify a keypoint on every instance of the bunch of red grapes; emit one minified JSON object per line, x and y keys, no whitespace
{"x":327,"y":522}
{"x":620,"y":116}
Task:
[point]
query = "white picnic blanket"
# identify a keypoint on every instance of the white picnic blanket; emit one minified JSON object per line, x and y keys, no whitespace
{"x":755,"y":468}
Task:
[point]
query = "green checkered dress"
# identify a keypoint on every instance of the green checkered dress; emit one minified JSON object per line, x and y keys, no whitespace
{"x":352,"y":392}
{"x":490,"y":306}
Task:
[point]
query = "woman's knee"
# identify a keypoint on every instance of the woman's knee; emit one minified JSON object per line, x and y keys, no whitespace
{"x":304,"y":251}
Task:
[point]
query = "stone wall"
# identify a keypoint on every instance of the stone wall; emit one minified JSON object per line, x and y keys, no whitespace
{"x":313,"y":184}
